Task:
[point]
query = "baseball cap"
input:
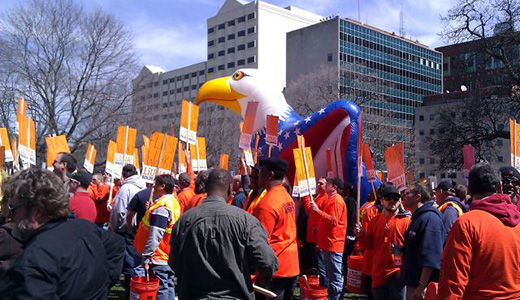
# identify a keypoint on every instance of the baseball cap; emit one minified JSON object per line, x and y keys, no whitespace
{"x":446,"y":184}
{"x":275,"y":164}
{"x":84,"y":178}
{"x":388,"y":190}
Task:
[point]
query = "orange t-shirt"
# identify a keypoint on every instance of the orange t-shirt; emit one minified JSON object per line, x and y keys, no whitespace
{"x":196,"y":200}
{"x":184,"y":199}
{"x":481,"y":259}
{"x":99,"y":193}
{"x":313,"y":221}
{"x":369,"y":214}
{"x":276,"y":212}
{"x":382,"y":232}
{"x":332,"y":224}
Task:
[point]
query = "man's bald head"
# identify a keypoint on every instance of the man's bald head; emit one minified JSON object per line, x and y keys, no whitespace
{"x":219,"y":183}
{"x":237,"y":183}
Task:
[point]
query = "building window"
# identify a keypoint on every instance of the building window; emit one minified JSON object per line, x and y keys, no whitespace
{"x":155,"y":95}
{"x":211,"y":70}
{"x":222,"y":26}
{"x":221,"y":67}
{"x":231,"y":36}
{"x":165,"y":81}
{"x":250,"y":59}
{"x":221,"y":39}
{"x":421,"y":118}
{"x":186,"y":88}
{"x":432,"y":117}
{"x":241,"y":47}
{"x":164,"y":105}
{"x":421,"y":132}
{"x":194,"y":87}
{"x":179,"y":90}
{"x":421,"y":161}
{"x":329,"y":57}
{"x":251,"y":30}
{"x":221,"y":53}
{"x":241,"y":62}
{"x":251,"y":44}
{"x":211,"y":43}
{"x":194,"y":74}
{"x":231,"y":23}
{"x":231,"y":65}
{"x":165,"y":93}
{"x":211,"y":56}
{"x":251,"y":16}
{"x":241,"y":33}
{"x":172,"y":80}
{"x":211,"y":30}
{"x":201,"y":72}
{"x":172,"y":92}
{"x":179,"y":78}
{"x":241,"y":19}
{"x":231,"y":50}
{"x":432,"y":131}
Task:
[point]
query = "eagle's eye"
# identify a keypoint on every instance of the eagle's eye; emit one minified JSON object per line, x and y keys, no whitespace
{"x":238,"y":75}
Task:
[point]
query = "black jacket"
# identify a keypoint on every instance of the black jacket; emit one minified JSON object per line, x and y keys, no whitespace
{"x":423,"y":244}
{"x":214,"y":249}
{"x":65,"y":259}
{"x":10,"y":248}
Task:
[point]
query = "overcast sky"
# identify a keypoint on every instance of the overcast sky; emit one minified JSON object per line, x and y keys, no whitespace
{"x":172,"y":33}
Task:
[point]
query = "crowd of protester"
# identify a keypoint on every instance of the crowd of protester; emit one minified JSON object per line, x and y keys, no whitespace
{"x":71,"y":235}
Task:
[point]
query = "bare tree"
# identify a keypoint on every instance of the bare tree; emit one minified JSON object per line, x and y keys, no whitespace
{"x":73,"y":67}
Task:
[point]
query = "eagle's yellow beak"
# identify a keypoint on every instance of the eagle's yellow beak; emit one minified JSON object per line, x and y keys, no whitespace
{"x":219,"y":91}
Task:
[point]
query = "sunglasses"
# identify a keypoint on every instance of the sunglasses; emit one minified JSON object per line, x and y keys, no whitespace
{"x":392,"y":198}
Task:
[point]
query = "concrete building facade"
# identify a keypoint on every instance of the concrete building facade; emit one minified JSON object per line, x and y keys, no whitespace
{"x":241,"y":35}
{"x":387,"y":75}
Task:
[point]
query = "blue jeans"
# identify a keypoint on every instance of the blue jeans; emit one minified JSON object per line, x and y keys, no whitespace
{"x":333,"y":275}
{"x":166,"y":278}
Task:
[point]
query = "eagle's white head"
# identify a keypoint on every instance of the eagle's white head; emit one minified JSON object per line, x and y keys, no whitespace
{"x":242,"y":87}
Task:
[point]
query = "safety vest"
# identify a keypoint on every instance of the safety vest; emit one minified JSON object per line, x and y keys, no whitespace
{"x":453,"y":204}
{"x":364,"y":208}
{"x":256,"y":201}
{"x":143,"y":232}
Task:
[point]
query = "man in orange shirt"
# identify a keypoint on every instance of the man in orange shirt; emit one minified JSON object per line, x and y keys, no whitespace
{"x":186,"y":192}
{"x":276,"y":213}
{"x":99,"y":192}
{"x":385,"y":237}
{"x":332,"y":220}
{"x":481,"y":258}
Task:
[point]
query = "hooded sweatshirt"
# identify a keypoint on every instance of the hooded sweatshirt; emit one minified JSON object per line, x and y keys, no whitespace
{"x":450,"y":214}
{"x":481,"y":259}
{"x":130,"y":187}
{"x":423,"y":244}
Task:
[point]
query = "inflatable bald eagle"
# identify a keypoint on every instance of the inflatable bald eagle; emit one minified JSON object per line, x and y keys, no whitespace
{"x":333,"y":127}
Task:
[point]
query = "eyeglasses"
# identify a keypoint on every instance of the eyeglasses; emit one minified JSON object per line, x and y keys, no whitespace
{"x":12,"y":209}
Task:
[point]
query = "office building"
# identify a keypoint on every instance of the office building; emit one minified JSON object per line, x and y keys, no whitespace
{"x":241,"y":35}
{"x":386,"y":74}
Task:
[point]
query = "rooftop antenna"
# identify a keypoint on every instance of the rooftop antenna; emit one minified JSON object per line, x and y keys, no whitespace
{"x":358,"y":12}
{"x":401,"y":21}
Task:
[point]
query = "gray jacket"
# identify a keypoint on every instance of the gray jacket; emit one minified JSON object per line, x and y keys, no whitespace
{"x":130,"y":187}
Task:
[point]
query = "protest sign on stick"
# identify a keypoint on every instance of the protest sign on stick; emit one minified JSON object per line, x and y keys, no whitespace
{"x":369,"y":166}
{"x":183,"y":167}
{"x":21,"y":110}
{"x":90,"y":158}
{"x":468,"y":155}
{"x":247,"y":127}
{"x":189,"y":121}
{"x":16,"y":157}
{"x":517,"y":146}
{"x":305,"y":171}
{"x":55,"y":145}
{"x":201,"y":153}
{"x":27,"y":141}
{"x":125,"y":147}
{"x":223,"y":162}
{"x":271,"y":132}
{"x":4,"y":141}
{"x":256,"y":148}
{"x":394,"y":158}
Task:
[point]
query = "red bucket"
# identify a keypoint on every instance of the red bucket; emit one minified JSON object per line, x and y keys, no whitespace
{"x":315,"y":292}
{"x":311,"y":279}
{"x":142,"y":289}
{"x":355,"y":282}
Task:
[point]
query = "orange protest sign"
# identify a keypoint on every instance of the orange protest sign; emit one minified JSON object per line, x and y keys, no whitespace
{"x":512,"y":141}
{"x":160,"y":156}
{"x":90,"y":158}
{"x":223,"y":163}
{"x":517,"y":145}
{"x":126,"y":140}
{"x":21,"y":110}
{"x":4,"y":141}
{"x":136,"y":160}
{"x":201,"y":151}
{"x":330,"y":173}
{"x":271,"y":130}
{"x":256,"y":148}
{"x":144,"y":148}
{"x":369,"y":164}
{"x":247,"y":128}
{"x":301,"y":141}
{"x":110,"y":166}
{"x":182,"y":160}
{"x":16,"y":162}
{"x":305,"y":171}
{"x":55,"y":145}
{"x":189,"y":121}
{"x":168,"y":155}
{"x":394,"y":158}
{"x":27,"y":141}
